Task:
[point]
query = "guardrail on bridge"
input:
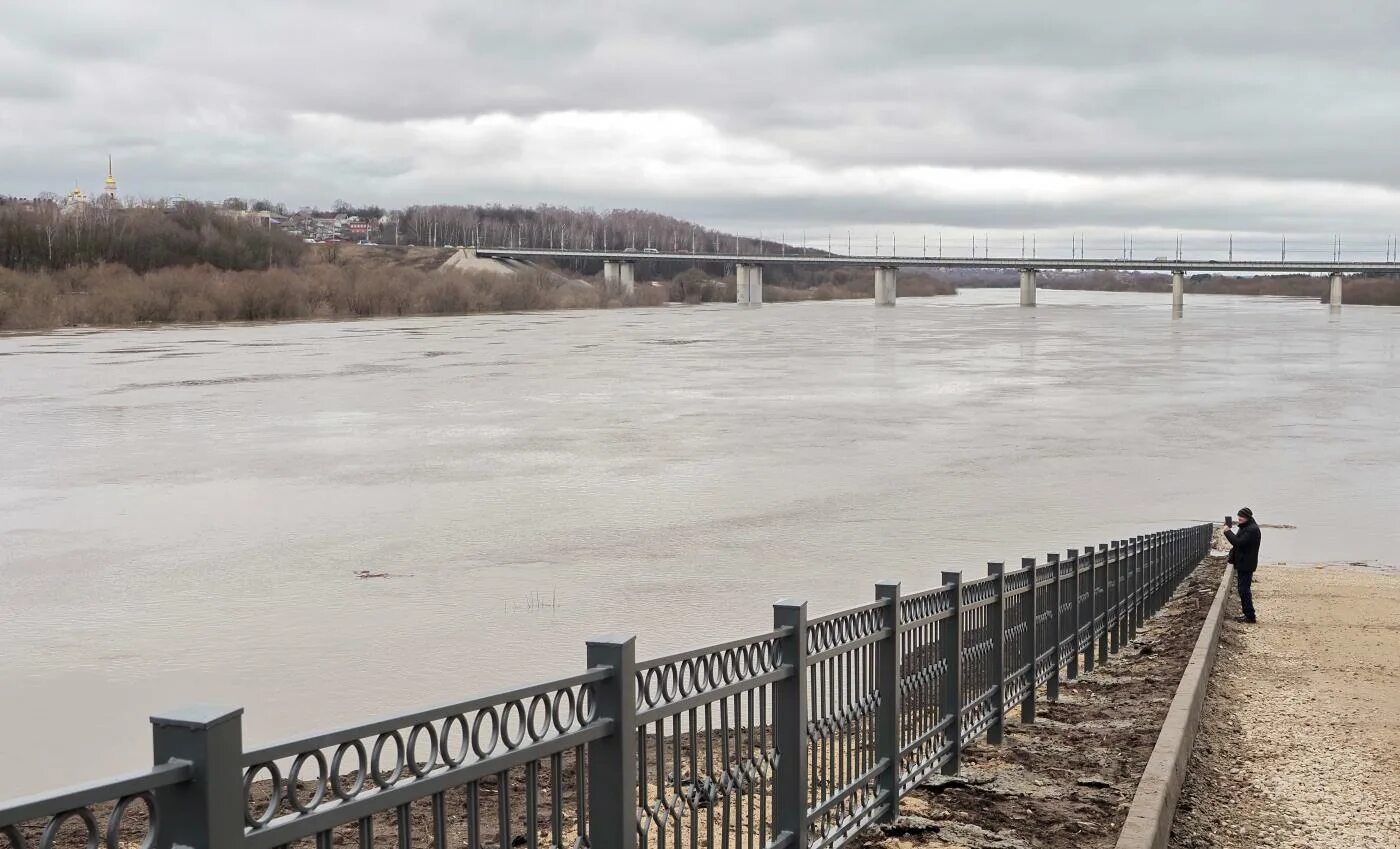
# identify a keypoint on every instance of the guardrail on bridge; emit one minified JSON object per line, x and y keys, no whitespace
{"x":797,"y":737}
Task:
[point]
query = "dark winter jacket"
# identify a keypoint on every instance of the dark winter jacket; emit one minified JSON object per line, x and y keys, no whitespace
{"x":1245,"y":554}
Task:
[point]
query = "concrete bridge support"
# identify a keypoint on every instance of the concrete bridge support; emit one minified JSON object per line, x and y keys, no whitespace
{"x":1028,"y":287}
{"x":1178,"y":293}
{"x":611,"y":274}
{"x":1335,"y":301}
{"x":748,"y":283}
{"x":627,"y":278}
{"x":886,"y":286}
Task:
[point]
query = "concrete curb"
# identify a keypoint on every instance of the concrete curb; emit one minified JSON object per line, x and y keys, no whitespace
{"x":1149,"y":823}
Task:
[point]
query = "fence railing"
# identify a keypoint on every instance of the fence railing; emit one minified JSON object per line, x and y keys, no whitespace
{"x":797,"y":737}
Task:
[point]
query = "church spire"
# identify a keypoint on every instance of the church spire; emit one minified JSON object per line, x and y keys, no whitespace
{"x":109,"y":188}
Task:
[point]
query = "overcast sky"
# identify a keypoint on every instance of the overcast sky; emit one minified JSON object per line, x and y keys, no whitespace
{"x":911,"y":117}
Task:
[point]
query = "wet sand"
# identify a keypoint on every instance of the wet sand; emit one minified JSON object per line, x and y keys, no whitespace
{"x":1300,"y":740}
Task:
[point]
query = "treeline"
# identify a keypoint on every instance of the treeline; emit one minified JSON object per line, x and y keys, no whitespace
{"x":113,"y":295}
{"x":43,"y":237}
{"x":561,"y":227}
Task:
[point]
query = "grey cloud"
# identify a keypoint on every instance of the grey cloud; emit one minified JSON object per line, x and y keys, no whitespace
{"x":1273,"y":90}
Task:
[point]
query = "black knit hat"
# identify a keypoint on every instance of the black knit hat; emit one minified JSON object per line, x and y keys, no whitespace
{"x":1245,"y":512}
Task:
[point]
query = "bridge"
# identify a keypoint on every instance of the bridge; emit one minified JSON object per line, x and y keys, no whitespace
{"x":619,"y":268}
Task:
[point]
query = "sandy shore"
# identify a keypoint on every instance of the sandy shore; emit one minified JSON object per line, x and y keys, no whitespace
{"x":1300,"y":740}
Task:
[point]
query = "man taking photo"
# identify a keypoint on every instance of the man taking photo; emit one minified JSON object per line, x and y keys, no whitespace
{"x":1244,"y":556}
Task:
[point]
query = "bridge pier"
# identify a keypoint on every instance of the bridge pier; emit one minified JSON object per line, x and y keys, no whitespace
{"x":611,"y":275}
{"x":1028,"y":287}
{"x":1178,"y":293}
{"x":1335,"y":300}
{"x":627,"y":278}
{"x":748,"y":283}
{"x":886,"y":285}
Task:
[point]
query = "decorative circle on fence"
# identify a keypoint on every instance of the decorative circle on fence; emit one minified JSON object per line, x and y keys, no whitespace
{"x":414,"y":767}
{"x":390,"y":778}
{"x":294,"y":780}
{"x":50,"y":835}
{"x":114,"y":821}
{"x":338,"y":777}
{"x":249,"y":779}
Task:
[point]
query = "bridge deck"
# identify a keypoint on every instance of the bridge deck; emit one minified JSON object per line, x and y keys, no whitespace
{"x":1012,"y":263}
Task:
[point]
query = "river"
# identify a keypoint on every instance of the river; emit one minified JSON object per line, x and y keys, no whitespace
{"x":183,"y":510}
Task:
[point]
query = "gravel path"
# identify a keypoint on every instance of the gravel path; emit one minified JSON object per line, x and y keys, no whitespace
{"x":1300,"y":740}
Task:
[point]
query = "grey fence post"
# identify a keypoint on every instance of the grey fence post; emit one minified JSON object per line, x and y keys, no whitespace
{"x":887,"y":738}
{"x":1149,"y":596}
{"x":1124,"y":594}
{"x":997,"y":615}
{"x":950,"y":642}
{"x":1114,"y":599}
{"x":612,"y":760}
{"x":1134,"y":586}
{"x":1144,"y":604}
{"x":1093,"y":612}
{"x":1107,"y":610}
{"x":1171,"y":568}
{"x":207,"y":811}
{"x":790,"y":726}
{"x":1161,"y":571}
{"x":1028,"y":703}
{"x":1072,"y":665}
{"x":1052,"y":686}
{"x":1144,"y":583}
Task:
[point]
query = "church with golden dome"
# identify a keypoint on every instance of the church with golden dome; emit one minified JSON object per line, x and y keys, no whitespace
{"x":78,"y":199}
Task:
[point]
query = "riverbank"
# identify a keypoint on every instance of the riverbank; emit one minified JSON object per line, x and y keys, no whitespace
{"x":1065,"y":781}
{"x":364,"y":282}
{"x":1299,"y":745}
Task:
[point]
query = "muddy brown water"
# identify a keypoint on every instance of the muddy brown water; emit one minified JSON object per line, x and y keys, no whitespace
{"x":183,"y":511}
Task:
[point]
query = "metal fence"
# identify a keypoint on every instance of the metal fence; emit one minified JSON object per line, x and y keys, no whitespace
{"x":797,"y":737}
